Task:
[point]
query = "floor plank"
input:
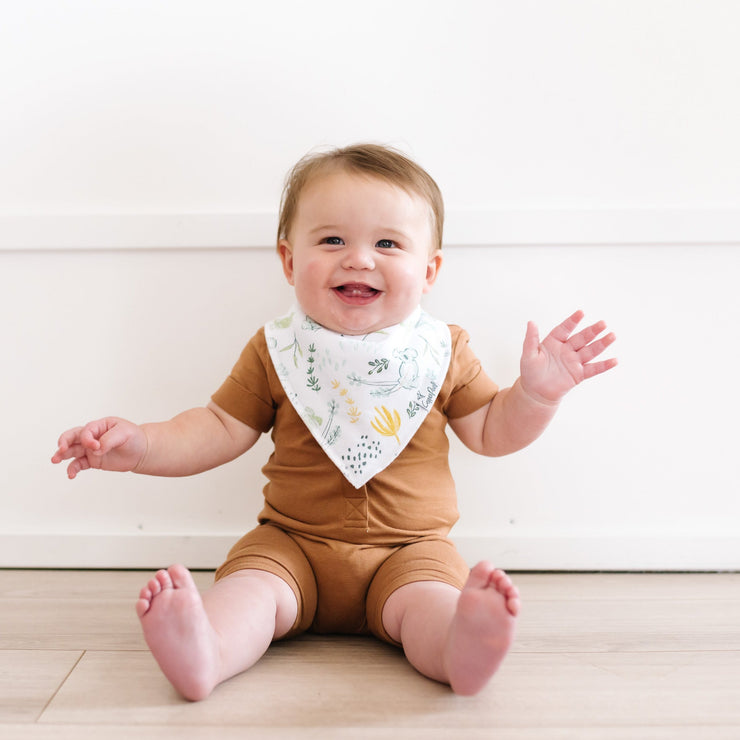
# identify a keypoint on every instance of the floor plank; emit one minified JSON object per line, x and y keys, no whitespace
{"x":629,"y":586}
{"x":356,"y":682}
{"x":73,"y":610}
{"x":610,"y":656}
{"x":628,"y":625}
{"x":186,"y":732}
{"x":70,"y":584}
{"x":28,"y":680}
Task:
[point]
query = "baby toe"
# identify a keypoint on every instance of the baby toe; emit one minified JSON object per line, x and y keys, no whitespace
{"x":501,"y":581}
{"x":163,"y":579}
{"x":181,"y":577}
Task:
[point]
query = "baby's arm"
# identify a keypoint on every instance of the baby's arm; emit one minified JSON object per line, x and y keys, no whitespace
{"x":518,"y":415}
{"x":194,"y":441}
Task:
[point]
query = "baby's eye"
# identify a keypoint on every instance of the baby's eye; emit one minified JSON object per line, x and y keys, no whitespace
{"x":333,"y":240}
{"x":385,"y":244}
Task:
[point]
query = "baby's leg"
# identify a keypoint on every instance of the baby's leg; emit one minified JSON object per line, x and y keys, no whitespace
{"x":459,"y":638}
{"x":201,"y":641}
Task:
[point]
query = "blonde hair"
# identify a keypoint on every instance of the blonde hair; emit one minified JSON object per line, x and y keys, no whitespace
{"x":372,"y":160}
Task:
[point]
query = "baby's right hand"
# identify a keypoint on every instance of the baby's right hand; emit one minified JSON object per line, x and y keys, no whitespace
{"x":105,"y":444}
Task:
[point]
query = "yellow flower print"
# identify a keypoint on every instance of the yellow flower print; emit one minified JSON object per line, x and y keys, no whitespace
{"x":353,"y":412}
{"x":388,"y":423}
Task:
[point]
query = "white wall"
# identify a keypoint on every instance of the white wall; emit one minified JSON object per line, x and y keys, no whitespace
{"x":589,"y":157}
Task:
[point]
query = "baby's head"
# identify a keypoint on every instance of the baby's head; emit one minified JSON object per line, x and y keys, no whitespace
{"x":370,"y":160}
{"x":359,"y":237}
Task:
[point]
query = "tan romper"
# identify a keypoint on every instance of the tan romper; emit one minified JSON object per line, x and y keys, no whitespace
{"x":344,"y":550}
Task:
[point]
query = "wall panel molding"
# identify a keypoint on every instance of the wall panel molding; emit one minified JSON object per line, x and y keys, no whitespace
{"x":468,"y":227}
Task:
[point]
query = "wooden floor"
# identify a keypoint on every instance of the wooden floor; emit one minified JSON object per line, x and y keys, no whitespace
{"x":596,"y":656}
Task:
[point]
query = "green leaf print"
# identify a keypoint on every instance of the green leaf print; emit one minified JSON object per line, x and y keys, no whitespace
{"x":378,"y":366}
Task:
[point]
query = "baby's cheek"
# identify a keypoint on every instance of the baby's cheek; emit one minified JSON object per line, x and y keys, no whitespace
{"x":310,"y":278}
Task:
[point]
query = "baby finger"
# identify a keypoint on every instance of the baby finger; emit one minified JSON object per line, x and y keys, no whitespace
{"x":596,"y":348}
{"x":77,"y":465}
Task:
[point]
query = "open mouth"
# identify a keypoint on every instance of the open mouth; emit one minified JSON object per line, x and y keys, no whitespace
{"x":356,"y":293}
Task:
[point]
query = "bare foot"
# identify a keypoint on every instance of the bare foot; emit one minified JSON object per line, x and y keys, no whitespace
{"x":178,"y":632}
{"x":482,"y":629}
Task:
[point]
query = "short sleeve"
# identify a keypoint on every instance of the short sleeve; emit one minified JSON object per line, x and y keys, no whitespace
{"x":471,"y":388}
{"x":246,"y":393}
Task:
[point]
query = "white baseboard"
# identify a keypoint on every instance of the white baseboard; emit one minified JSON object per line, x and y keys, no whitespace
{"x":608,"y":553}
{"x":561,"y":553}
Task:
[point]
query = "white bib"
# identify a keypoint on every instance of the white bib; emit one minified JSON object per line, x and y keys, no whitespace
{"x":362,"y":397}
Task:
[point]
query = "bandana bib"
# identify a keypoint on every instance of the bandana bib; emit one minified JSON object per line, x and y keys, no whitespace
{"x":362,"y":397}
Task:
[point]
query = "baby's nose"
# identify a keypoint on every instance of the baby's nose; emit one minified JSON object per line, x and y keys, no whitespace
{"x":358,"y":257}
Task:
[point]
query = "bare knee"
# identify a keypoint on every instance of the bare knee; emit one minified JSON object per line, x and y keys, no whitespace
{"x":430,"y":598}
{"x":266,"y":588}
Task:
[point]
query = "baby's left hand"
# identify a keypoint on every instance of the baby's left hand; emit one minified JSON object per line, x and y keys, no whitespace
{"x":551,"y":368}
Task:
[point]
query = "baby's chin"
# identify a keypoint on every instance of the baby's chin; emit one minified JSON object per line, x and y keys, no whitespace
{"x":358,"y":327}
{"x":363,"y":313}
{"x":356,"y":324}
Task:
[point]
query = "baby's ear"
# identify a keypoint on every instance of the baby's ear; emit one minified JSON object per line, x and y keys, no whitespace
{"x":286,"y":257}
{"x":433,"y":267}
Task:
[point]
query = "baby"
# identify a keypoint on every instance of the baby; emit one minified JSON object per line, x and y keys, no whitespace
{"x":357,"y":384}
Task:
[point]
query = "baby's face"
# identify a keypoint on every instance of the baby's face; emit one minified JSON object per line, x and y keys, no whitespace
{"x":359,"y":252}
